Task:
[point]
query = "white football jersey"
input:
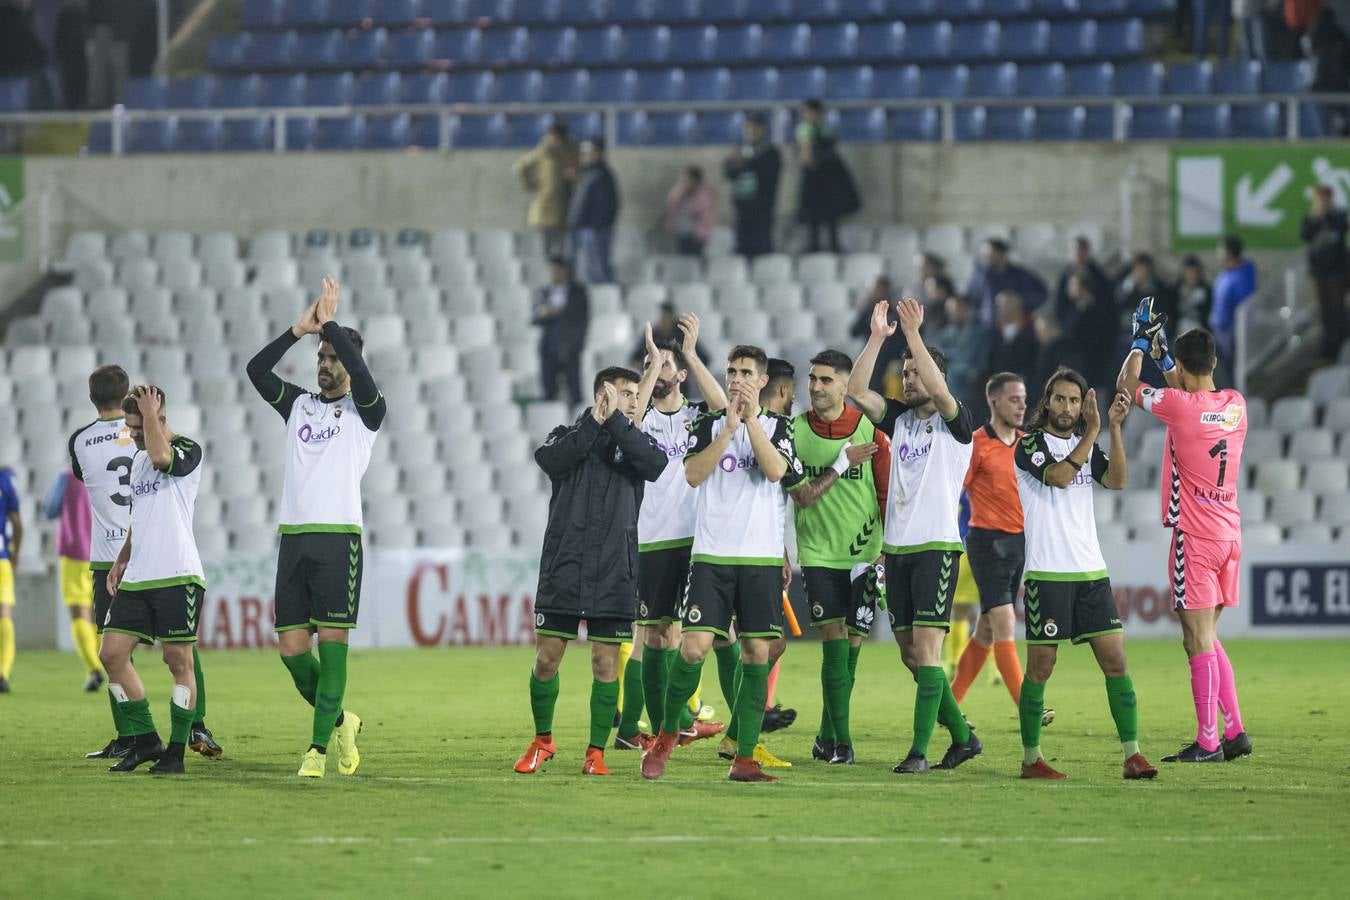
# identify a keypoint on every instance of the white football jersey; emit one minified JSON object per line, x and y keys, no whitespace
{"x":100,"y":456}
{"x":1061,"y":528}
{"x":163,"y":549}
{"x":929,"y":459}
{"x":667,"y":515}
{"x":327,"y":455}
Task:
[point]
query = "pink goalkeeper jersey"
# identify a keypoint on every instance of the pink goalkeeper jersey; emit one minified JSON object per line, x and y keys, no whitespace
{"x":1202,"y":458}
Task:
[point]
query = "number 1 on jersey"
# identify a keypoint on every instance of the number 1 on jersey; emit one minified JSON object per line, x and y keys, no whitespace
{"x":1221,"y":451}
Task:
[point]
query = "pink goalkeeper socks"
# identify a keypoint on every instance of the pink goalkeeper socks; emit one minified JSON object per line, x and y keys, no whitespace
{"x":1228,"y":699}
{"x":1205,"y":690}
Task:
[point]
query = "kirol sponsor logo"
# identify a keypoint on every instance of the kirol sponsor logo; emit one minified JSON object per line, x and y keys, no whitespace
{"x":308,"y":435}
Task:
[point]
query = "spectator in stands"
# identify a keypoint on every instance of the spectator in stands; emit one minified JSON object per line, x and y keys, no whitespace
{"x":1090,"y":322}
{"x":1092,"y":276}
{"x":926,"y":266}
{"x":1054,"y":347}
{"x":753,"y":171}
{"x":1016,"y":347}
{"x":934,"y":293}
{"x":691,"y":212}
{"x":827,"y":192}
{"x":1324,"y":232}
{"x":1195,"y":299}
{"x":562,"y":312}
{"x":595,"y":207}
{"x":995,"y":274}
{"x":1232,"y":287}
{"x":967,"y":343}
{"x":70,"y":43}
{"x":548,"y":172}
{"x":1250,"y":16}
{"x":1212,"y":12}
{"x":879,"y":289}
{"x":21,"y":52}
{"x":1141,"y":280}
{"x":665,"y":330}
{"x":110,"y":26}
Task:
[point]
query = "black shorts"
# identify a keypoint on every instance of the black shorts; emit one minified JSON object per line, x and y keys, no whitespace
{"x":663,"y":576}
{"x":836,"y":596}
{"x":102,"y":599}
{"x":752,"y":595}
{"x":565,"y":626}
{"x":995,"y":559}
{"x":318,"y":580}
{"x":169,"y":615}
{"x":920,"y":587}
{"x":1070,"y":610}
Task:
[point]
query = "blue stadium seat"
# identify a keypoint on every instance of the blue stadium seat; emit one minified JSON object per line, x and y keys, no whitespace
{"x":738,"y":44}
{"x":801,"y":82}
{"x":1060,"y":123}
{"x":525,"y":129}
{"x":765,"y":10}
{"x":339,"y":133}
{"x":386,"y":132}
{"x":305,"y":13}
{"x":350,"y":13}
{"x":692,"y":44}
{"x":881,"y":40}
{"x":644,"y":44}
{"x":975,"y":40}
{"x":858,"y":10}
{"x":1025,"y":39}
{"x":396,"y":12}
{"x":659,"y":85}
{"x":1007,"y":9}
{"x":667,"y":129}
{"x":895,"y":81}
{"x":786,"y":43}
{"x":835,"y":42}
{"x":331,"y":89}
{"x":971,"y":123}
{"x":188,"y":93}
{"x":583,"y":125}
{"x":585,"y":12}
{"x":706,"y":85}
{"x":535,"y":12}
{"x":519,"y":86}
{"x":1206,"y":122}
{"x":849,"y":83}
{"x":363,"y":50}
{"x":142,"y":93}
{"x":1153,"y":122}
{"x":1257,"y":120}
{"x":916,"y":9}
{"x":425,"y":87}
{"x":228,"y":51}
{"x":720,"y":128}
{"x":860,"y":125}
{"x":636,"y":12}
{"x":281,"y":90}
{"x":597,"y":46}
{"x":1099,"y":124}
{"x":917,"y":124}
{"x":468,"y":87}
{"x":1054,"y":8}
{"x":552,"y":46}
{"x":458,"y":46}
{"x":1138,"y":79}
{"x":1189,"y":78}
{"x":150,"y":136}
{"x":270,"y":50}
{"x":613,"y":85}
{"x":262,"y":13}
{"x":755,"y":83}
{"x":1241,"y":77}
{"x":993,"y":80}
{"x":1109,"y":7}
{"x":317,"y":49}
{"x":928,"y":41}
{"x":235,"y":91}
{"x":443,"y":12}
{"x":944,"y":81}
{"x":504,"y":46}
{"x":632,"y":128}
{"x":1089,"y":79}
{"x":1287,"y":77}
{"x":1120,"y":39}
{"x":474,"y":10}
{"x":566,"y":87}
{"x":1073,"y":39}
{"x":687,"y":10}
{"x":410,"y":49}
{"x":425,"y":131}
{"x":100,"y":138}
{"x":1010,"y":123}
{"x":377,"y":89}
{"x":198,"y":135}
{"x":249,"y":135}
{"x":1041,"y":80}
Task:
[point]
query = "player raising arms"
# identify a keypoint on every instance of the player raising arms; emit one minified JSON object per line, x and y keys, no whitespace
{"x":318,"y":589}
{"x":930,"y":452}
{"x":1068,"y":593}
{"x":736,"y":460}
{"x":1202,"y":458}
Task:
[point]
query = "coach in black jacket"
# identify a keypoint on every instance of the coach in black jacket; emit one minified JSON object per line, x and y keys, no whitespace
{"x":588,"y":567}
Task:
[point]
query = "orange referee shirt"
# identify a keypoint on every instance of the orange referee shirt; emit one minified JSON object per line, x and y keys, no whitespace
{"x":991,"y":484}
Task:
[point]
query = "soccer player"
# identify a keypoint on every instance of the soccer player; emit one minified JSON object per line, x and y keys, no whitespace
{"x":665,"y":535}
{"x":598,"y":468}
{"x":11,"y":539}
{"x":1068,"y":593}
{"x":838,"y":518}
{"x":156,"y":582}
{"x":995,"y":544}
{"x":329,"y":436}
{"x":1202,"y":456}
{"x":737,"y":459}
{"x":68,"y":501}
{"x":100,"y":458}
{"x":930,"y":453}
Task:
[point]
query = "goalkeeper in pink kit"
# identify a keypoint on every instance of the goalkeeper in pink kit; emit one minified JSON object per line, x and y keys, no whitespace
{"x":1202,"y":456}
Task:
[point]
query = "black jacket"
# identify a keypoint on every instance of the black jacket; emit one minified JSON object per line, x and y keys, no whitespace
{"x":754,"y":180}
{"x":1324,"y":236}
{"x":566,"y":330}
{"x":588,"y":566}
{"x":596,"y":202}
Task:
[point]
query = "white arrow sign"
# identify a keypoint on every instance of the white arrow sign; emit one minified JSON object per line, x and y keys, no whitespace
{"x":1253,"y":207}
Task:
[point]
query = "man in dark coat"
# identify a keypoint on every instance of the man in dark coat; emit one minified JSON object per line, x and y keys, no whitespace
{"x":562,"y":310}
{"x":595,"y":207}
{"x":588,"y":567}
{"x":753,"y":172}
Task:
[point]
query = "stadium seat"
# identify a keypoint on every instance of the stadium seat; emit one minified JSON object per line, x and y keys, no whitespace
{"x":752,"y":83}
{"x":1287,"y":77}
{"x":519,"y":86}
{"x":144,"y":93}
{"x":1206,"y":122}
{"x":1257,"y":120}
{"x":1040,"y":80}
{"x":597,"y":46}
{"x":1025,"y":40}
{"x":281,"y":90}
{"x":944,"y":81}
{"x":316,"y":49}
{"x":552,"y":46}
{"x":1153,"y":122}
{"x":262,"y":13}
{"x":305,"y":13}
{"x":801,"y":82}
{"x":644,"y":45}
{"x":1276,"y":476}
{"x":993,"y":80}
{"x":881,"y":41}
{"x":849,"y":83}
{"x":1238,"y":77}
{"x":978,"y":40}
{"x":151,"y":136}
{"x":188,"y":93}
{"x":1292,"y":508}
{"x":613,"y":86}
{"x":720,"y":128}
{"x":862,"y":125}
{"x":1073,"y":39}
{"x":835,"y":42}
{"x":1137,"y":79}
{"x":921,"y":124}
{"x":1091,"y":80}
{"x":269,"y":50}
{"x":1292,"y":414}
{"x":896,"y":81}
{"x":1117,"y":39}
{"x":786,"y":43}
{"x":706,"y":85}
{"x":235,"y":91}
{"x":329,"y":90}
{"x":1062,"y":123}
{"x":1189,"y":78}
{"x":386,"y":132}
{"x":362,"y":50}
{"x":928,"y":41}
{"x":376,"y":89}
{"x":566,"y":87}
{"x":468,"y":87}
{"x":659,"y":85}
{"x":247,"y":135}
{"x":503,"y":46}
{"x":228,"y":51}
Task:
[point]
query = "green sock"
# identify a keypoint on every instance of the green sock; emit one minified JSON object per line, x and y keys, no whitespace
{"x":604,"y":700}
{"x":180,"y":720}
{"x":683,"y":682}
{"x":750,"y":697}
{"x":136,"y":717}
{"x":834,"y":686}
{"x":949,"y":713}
{"x":927,"y":699}
{"x":738,"y":681}
{"x":332,"y":685}
{"x":728,"y":658}
{"x":632,"y":698}
{"x":655,"y":671}
{"x":119,"y":722}
{"x":304,"y":669}
{"x":1029,"y":708}
{"x":686,"y":717}
{"x":1125,"y":710}
{"x":825,"y":733}
{"x":543,"y":697}
{"x":201,"y":686}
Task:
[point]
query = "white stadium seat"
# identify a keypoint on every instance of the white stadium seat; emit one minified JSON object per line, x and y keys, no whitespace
{"x":1292,"y":414}
{"x":771,"y":268}
{"x":129,"y":245}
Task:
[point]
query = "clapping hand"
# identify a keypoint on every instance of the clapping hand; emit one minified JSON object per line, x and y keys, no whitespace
{"x":1147,"y":324}
{"x":1092,"y":416}
{"x":688,"y":326}
{"x":606,"y":401}
{"x":881,"y":319}
{"x":911,"y":315}
{"x":326,"y":306}
{"x":1120,"y":408}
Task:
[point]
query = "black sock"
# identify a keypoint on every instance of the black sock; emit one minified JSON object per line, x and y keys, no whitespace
{"x":341,"y":716}
{"x":199,"y":725}
{"x":323,"y":750}
{"x":175,"y":750}
{"x":146,"y":740}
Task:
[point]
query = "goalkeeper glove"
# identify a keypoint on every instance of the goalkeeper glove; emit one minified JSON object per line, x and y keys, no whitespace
{"x":1147,"y":325}
{"x":1158,"y":350}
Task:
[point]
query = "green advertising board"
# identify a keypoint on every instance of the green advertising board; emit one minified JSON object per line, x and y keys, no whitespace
{"x":11,"y":221}
{"x":1258,"y":191}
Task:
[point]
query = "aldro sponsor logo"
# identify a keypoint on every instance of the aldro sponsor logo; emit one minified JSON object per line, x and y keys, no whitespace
{"x":907,"y":454}
{"x":732,"y":462}
{"x":308,"y":435}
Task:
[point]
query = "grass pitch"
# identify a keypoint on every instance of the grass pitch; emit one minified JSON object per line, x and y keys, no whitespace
{"x":437,"y":810}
